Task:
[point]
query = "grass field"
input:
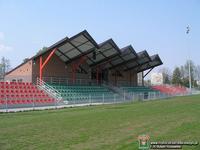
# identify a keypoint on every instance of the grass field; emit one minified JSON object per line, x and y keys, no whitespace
{"x":104,"y":127}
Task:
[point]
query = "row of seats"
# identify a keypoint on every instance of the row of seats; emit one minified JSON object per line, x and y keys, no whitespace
{"x":23,"y":96}
{"x":22,"y":93}
{"x":138,"y":89}
{"x":73,"y":92}
{"x":73,"y":87}
{"x":12,"y":102}
{"x":83,"y":90}
{"x":170,"y":89}
{"x":16,"y":83}
{"x":17,"y":86}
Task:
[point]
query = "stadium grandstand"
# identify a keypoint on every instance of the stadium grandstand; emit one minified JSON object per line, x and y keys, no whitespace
{"x":77,"y":70}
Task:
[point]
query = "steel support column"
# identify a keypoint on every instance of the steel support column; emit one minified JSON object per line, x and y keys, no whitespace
{"x":142,"y":78}
{"x":97,"y":75}
{"x":73,"y":73}
{"x":130,"y":78}
{"x":75,"y":66}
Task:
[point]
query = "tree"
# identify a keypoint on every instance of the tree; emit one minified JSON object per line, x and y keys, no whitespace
{"x":185,"y":73}
{"x":166,"y":75}
{"x":192,"y":69}
{"x":182,"y":70}
{"x":25,"y":60}
{"x":176,"y":78}
{"x":197,"y":72}
{"x":42,"y":50}
{"x":196,"y":76}
{"x":4,"y":67}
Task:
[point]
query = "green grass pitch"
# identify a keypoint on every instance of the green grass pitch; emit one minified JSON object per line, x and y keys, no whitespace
{"x":105,"y":127}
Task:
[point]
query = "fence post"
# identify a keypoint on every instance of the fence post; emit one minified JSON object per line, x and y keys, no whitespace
{"x":124,"y":95}
{"x":74,"y":99}
{"x":33,"y":103}
{"x":159,"y":95}
{"x":6,"y":104}
{"x":55,"y":104}
{"x":143,"y":96}
{"x":103,"y":98}
{"x":149,"y":96}
{"x":90,"y":99}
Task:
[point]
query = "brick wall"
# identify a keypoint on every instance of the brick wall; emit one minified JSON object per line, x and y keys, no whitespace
{"x":56,"y":68}
{"x":128,"y":78}
{"x":23,"y":73}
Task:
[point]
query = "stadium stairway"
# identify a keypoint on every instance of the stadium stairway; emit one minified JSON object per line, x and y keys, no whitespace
{"x":83,"y":94}
{"x":14,"y":94}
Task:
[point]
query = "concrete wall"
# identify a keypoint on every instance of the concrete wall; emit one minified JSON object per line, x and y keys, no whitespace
{"x":23,"y":73}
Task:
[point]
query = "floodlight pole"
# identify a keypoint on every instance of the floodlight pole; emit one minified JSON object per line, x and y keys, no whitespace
{"x":190,"y":80}
{"x":189,"y":65}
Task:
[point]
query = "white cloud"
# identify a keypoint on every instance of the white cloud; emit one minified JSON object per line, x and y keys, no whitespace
{"x":5,"y":48}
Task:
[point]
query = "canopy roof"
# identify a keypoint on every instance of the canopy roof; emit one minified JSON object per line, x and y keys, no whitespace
{"x":127,"y":53}
{"x":69,"y":49}
{"x":155,"y":61}
{"x":106,"y":54}
{"x":143,"y":57}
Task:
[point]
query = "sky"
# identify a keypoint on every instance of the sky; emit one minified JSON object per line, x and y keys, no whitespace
{"x":157,"y":26}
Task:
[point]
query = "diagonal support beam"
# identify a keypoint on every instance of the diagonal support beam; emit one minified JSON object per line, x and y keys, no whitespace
{"x":42,"y":65}
{"x":148,"y":72}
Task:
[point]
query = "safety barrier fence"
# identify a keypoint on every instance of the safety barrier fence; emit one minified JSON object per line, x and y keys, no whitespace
{"x":33,"y":102}
{"x":69,"y":81}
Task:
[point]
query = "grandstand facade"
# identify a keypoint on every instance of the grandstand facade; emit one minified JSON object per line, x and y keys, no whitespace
{"x":80,"y":60}
{"x":77,"y":70}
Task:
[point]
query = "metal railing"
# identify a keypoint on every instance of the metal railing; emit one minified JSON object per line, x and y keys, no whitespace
{"x":49,"y":90}
{"x":116,"y":89}
{"x":68,"y":81}
{"x":76,"y":98}
{"x":33,"y":102}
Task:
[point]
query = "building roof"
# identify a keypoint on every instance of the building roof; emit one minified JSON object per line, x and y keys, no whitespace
{"x":106,"y":54}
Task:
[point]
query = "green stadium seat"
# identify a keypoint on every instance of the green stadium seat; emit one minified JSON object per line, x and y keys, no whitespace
{"x":82,"y":93}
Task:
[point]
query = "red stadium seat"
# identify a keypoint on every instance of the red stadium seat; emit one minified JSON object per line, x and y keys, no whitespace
{"x":22,"y":93}
{"x":37,"y":101}
{"x":10,"y":102}
{"x":19,"y":101}
{"x":2,"y":102}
